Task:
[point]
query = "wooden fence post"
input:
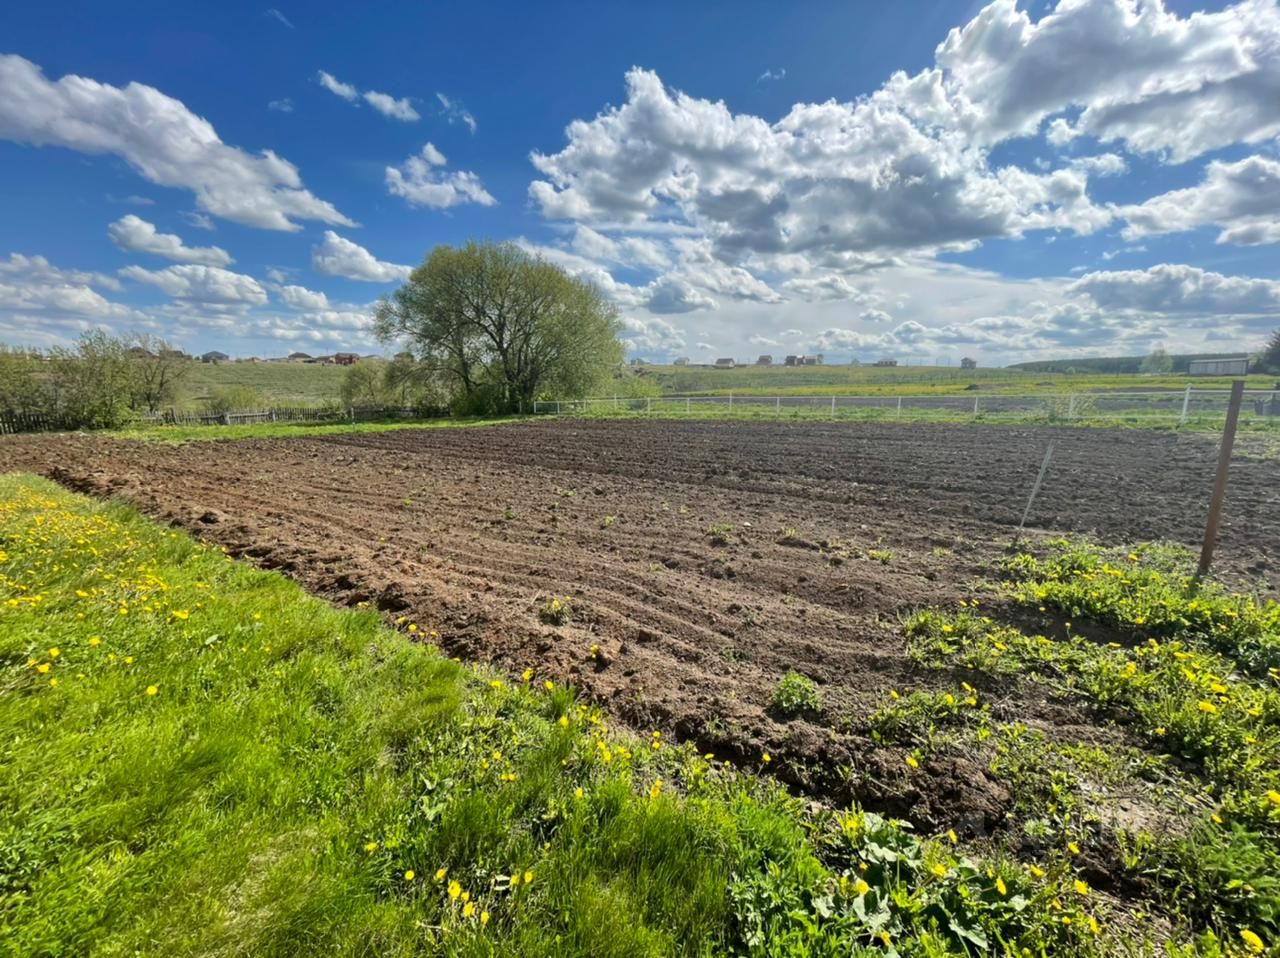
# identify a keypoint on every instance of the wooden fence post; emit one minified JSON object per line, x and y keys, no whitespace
{"x":1220,"y":482}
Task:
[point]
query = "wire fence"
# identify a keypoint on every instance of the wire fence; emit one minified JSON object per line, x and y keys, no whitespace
{"x":21,"y":422}
{"x":1166,"y":406}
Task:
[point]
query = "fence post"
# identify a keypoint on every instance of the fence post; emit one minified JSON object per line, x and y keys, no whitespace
{"x":975,"y":405}
{"x":777,"y":406}
{"x":615,"y":402}
{"x":899,"y":407}
{"x":557,"y":407}
{"x":1220,"y":481}
{"x":686,"y":404}
{"x":648,"y":404}
{"x":1071,"y":406}
{"x":1186,"y":401}
{"x":730,"y":400}
{"x":833,"y":407}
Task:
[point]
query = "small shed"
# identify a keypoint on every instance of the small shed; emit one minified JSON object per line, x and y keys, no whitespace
{"x":726,"y":363}
{"x":213,"y":356}
{"x":345,"y":359}
{"x":764,"y":361}
{"x":886,"y":362}
{"x":299,"y":357}
{"x":968,"y":363}
{"x":1233,"y":366}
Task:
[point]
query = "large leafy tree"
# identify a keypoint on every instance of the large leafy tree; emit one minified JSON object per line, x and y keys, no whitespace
{"x":502,"y":325}
{"x":1271,"y":354}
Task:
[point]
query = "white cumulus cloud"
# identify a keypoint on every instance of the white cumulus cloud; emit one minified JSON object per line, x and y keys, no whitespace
{"x":339,"y":256}
{"x":134,"y":234}
{"x":161,"y":140}
{"x":422,"y":181}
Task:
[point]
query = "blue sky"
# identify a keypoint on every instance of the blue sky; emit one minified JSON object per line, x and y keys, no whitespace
{"x":922,"y":180}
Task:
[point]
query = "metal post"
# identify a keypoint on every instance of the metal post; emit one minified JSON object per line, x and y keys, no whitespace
{"x":1071,"y":406}
{"x":777,"y":406}
{"x":686,"y":404}
{"x":899,"y":407}
{"x":1035,"y":489}
{"x":975,"y":405}
{"x":1186,"y":401}
{"x":648,"y":404}
{"x":833,"y":407}
{"x":730,"y":400}
{"x":557,"y":407}
{"x":615,"y":402}
{"x":1220,"y":483}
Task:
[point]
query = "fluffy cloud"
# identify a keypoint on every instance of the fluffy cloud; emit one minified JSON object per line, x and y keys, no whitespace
{"x":202,"y":284}
{"x":384,"y":103}
{"x":338,"y":256}
{"x":820,"y":287}
{"x":1140,"y":74}
{"x":455,"y":112}
{"x":422,"y":182}
{"x":673,"y":295}
{"x":1169,"y":288}
{"x":33,"y":292}
{"x":827,"y":179}
{"x":161,"y":139}
{"x":134,"y":234}
{"x":651,"y":335}
{"x":1243,"y":198}
{"x":299,"y":297}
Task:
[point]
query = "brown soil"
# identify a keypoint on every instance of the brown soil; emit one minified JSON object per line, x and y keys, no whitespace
{"x":469,"y":532}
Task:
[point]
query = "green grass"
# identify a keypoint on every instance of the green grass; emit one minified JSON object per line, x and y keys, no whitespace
{"x":911,"y":380}
{"x":281,"y":384}
{"x":175,"y":434}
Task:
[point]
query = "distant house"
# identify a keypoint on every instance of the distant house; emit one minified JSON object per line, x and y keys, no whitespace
{"x":968,"y":363}
{"x":346,"y":359}
{"x":137,"y":352}
{"x":299,"y":357}
{"x":764,"y":361}
{"x":886,"y":362}
{"x":791,"y":361}
{"x":173,"y":354}
{"x":804,"y":360}
{"x":682,"y":361}
{"x":1234,"y":366}
{"x":725,"y":363}
{"x":637,"y":361}
{"x":213,"y":356}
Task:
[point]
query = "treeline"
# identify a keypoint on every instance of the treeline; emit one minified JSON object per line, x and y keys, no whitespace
{"x":101,"y":382}
{"x":1119,"y":365}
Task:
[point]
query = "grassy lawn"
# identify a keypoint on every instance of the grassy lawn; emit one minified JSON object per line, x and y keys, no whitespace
{"x":281,"y":384}
{"x":269,"y":430}
{"x":196,"y":758}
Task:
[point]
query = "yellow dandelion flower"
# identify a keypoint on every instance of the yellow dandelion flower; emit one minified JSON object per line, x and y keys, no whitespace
{"x":495,"y":683}
{"x":1073,"y":848}
{"x":180,"y":614}
{"x":1000,"y":886}
{"x":468,"y":909}
{"x":526,"y":675}
{"x":860,"y":887}
{"x":54,"y":652}
{"x":912,"y":762}
{"x":766,"y":758}
{"x":938,"y":869}
{"x":1208,"y":708}
{"x":655,"y":789}
{"x":1080,"y":887}
{"x":42,"y":668}
{"x":440,"y":873}
{"x":371,"y":846}
{"x":152,"y":690}
{"x":1094,"y":928}
{"x":94,"y":640}
{"x":1251,"y":941}
{"x":563,"y":721}
{"x":408,"y":875}
{"x":1273,"y":796}
{"x":484,"y":918}
{"x":128,"y":660}
{"x":528,"y":877}
{"x":454,"y":889}
{"x":578,"y":793}
{"x":548,"y":685}
{"x":1035,"y":872}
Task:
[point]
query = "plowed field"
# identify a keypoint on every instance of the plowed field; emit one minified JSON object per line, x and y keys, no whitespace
{"x":702,"y":560}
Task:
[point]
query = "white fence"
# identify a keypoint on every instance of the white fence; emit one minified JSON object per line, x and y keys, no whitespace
{"x":1179,"y":406}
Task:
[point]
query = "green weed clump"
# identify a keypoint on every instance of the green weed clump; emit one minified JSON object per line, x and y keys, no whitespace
{"x":1149,"y":592}
{"x":795,"y":694}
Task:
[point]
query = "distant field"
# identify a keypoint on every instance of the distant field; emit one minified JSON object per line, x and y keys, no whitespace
{"x":910,"y":380}
{"x":286,"y":384}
